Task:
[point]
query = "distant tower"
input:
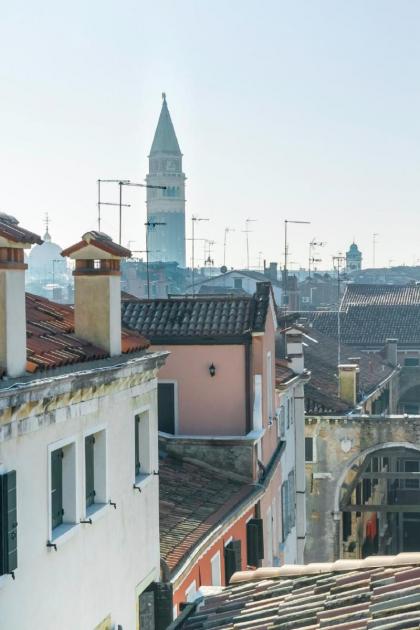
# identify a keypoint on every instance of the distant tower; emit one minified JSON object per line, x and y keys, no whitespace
{"x":166,"y":242}
{"x":353,"y":258}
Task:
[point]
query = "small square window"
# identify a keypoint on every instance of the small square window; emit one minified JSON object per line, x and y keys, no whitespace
{"x":96,"y":264}
{"x":237,"y":283}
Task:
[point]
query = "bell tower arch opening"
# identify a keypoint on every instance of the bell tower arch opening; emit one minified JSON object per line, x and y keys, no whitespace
{"x":378,"y":502}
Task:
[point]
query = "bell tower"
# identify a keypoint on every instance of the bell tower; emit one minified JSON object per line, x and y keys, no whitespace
{"x":166,"y":242}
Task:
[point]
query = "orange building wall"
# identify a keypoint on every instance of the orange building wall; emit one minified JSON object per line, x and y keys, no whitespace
{"x":201,"y":571}
{"x":208,"y":405}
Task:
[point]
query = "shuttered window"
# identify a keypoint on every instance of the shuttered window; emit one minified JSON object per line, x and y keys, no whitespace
{"x":254,"y":542}
{"x":233,"y":559}
{"x":57,"y":488}
{"x":137,"y":462}
{"x":90,"y":469}
{"x":309,"y":449}
{"x":8,"y":523}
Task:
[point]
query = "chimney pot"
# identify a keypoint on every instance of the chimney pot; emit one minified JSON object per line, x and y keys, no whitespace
{"x":348,"y":382}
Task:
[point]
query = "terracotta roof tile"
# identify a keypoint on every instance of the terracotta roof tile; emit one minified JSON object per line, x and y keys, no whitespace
{"x":51,"y":341}
{"x":192,"y":500}
{"x":315,"y":597}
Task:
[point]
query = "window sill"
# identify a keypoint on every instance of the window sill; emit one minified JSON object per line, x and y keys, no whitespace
{"x":63,"y":532}
{"x":143,"y":480}
{"x":96,"y":511}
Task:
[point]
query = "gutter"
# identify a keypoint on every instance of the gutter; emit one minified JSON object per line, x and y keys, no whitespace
{"x":236,"y":512}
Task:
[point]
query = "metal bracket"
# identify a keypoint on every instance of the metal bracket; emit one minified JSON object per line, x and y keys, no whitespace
{"x":136,"y":487}
{"x":114,"y":505}
{"x":155,"y":472}
{"x":88,"y":521}
{"x":51,"y":544}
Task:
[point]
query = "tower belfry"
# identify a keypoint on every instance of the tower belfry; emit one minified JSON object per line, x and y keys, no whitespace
{"x":166,"y":243}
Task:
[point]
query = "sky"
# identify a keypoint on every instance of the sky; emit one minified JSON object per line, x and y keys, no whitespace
{"x":301,"y":110}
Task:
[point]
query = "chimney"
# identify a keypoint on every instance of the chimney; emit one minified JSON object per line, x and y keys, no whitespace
{"x":294,"y":350}
{"x":97,"y":290}
{"x":271,"y":271}
{"x":13,"y":241}
{"x":348,"y":382}
{"x":391,"y":351}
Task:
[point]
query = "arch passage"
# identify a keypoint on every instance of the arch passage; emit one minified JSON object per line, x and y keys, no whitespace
{"x":380,"y":504}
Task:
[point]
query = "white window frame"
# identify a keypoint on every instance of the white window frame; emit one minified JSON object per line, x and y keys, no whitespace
{"x":67,"y":529}
{"x":191,"y":592}
{"x":314,"y":453}
{"x":143,"y":478}
{"x":216,"y":564}
{"x":176,"y":401}
{"x":92,"y":510}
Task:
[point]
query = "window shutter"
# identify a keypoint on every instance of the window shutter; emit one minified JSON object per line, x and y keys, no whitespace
{"x":291,"y":509}
{"x":309,"y":449}
{"x":8,"y":523}
{"x":254,"y":541}
{"x":233,"y":560}
{"x":89,"y":470}
{"x":136,"y":445}
{"x":285,"y":506}
{"x":163,"y":605}
{"x":56,"y":488}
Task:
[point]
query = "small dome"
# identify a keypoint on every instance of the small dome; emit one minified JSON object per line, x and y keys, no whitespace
{"x":353,"y":248}
{"x":41,"y":257}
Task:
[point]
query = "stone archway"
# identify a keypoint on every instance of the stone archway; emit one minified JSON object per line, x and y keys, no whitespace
{"x":377,"y":502}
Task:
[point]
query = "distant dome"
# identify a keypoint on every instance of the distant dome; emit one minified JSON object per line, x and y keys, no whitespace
{"x":353,"y":249}
{"x":41,"y":256}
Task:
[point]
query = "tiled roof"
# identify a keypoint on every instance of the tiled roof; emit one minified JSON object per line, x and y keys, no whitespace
{"x":175,"y":319}
{"x":378,"y":593}
{"x":192,"y":501}
{"x":381,"y":294}
{"x":9,"y":228}
{"x":51,"y":341}
{"x":321,"y":359}
{"x":371,"y":325}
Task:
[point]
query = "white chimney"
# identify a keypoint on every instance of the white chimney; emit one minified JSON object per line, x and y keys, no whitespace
{"x":13,"y":241}
{"x":294,"y":350}
{"x":97,"y":290}
{"x":348,"y":374}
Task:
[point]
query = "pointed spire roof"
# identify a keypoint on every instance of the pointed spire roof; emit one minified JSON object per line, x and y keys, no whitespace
{"x":165,"y":140}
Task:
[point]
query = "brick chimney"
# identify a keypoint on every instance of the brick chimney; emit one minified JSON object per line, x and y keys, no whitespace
{"x":348,"y":382}
{"x":391,"y":352}
{"x":97,"y":290}
{"x":294,"y":350}
{"x":13,"y":241}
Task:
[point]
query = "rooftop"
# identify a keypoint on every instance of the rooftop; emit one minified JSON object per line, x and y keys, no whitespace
{"x":51,"y":341}
{"x":320,"y":355}
{"x":193,"y":499}
{"x":200,"y":318}
{"x":381,"y":593}
{"x":381,"y":295}
{"x":10,"y":230}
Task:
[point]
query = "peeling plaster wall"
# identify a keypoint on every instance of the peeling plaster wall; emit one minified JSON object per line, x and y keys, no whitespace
{"x":98,"y":570}
{"x":337,"y":441}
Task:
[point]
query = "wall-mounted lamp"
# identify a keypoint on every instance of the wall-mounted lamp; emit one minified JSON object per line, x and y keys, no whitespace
{"x":212,"y":370}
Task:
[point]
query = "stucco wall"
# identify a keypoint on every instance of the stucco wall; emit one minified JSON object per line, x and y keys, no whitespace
{"x":98,"y":568}
{"x":208,"y":405}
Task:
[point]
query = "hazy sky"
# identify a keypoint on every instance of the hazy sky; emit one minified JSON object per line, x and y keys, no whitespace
{"x":301,"y":110}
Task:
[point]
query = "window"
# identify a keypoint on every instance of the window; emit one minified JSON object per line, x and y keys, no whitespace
{"x":96,"y":264}
{"x":288,"y":413}
{"x":237,"y":283}
{"x":412,"y":466}
{"x":411,"y":409}
{"x":191,"y":592}
{"x":281,"y":429}
{"x":166,"y":407}
{"x":285,"y":509}
{"x":411,"y":362}
{"x":8,"y":523}
{"x":233,"y":559}
{"x":269,"y":547}
{"x":309,"y":449}
{"x":216,"y":578}
{"x":142,"y":446}
{"x":269,"y":377}
{"x":291,"y":497}
{"x":95,"y":471}
{"x":63,"y":488}
{"x":254,"y":542}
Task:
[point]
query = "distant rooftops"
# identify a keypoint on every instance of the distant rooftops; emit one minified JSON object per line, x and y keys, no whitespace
{"x":380,"y":295}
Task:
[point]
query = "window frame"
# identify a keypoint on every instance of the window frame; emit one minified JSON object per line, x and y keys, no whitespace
{"x":176,"y":403}
{"x":216,"y":557}
{"x":98,"y":504}
{"x":67,"y":528}
{"x":313,"y":460}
